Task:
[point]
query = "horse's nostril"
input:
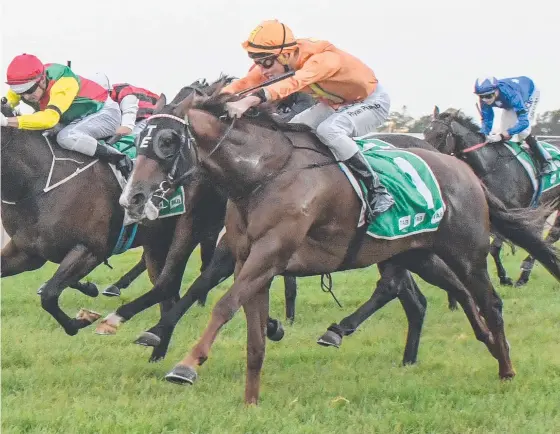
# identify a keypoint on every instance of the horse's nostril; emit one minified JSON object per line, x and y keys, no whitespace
{"x":138,"y":199}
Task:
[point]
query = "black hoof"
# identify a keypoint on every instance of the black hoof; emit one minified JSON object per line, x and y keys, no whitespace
{"x":157,"y":355}
{"x":330,"y":339}
{"x":148,"y":339}
{"x":274,"y":330}
{"x":112,"y":291}
{"x":521,"y":282}
{"x":89,"y":289}
{"x":40,"y":290}
{"x":452,"y":307}
{"x":506,"y":281}
{"x":182,"y":375}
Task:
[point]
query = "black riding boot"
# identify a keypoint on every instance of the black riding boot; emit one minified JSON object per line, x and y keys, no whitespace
{"x":545,"y":166}
{"x":122,"y":162}
{"x":379,"y":199}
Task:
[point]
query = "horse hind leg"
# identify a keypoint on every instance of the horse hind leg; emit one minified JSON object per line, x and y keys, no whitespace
{"x":491,"y":308}
{"x":529,"y":262}
{"x":14,"y":261}
{"x":78,"y":263}
{"x":436,"y":271}
{"x":395,"y":282}
{"x":495,"y":250}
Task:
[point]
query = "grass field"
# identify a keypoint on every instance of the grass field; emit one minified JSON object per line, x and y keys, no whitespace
{"x":52,"y":383}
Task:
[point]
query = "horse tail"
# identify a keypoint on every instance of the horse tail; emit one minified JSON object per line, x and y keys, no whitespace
{"x":523,"y":227}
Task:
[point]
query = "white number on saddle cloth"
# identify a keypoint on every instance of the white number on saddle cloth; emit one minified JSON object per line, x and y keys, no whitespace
{"x":421,"y":186}
{"x":148,"y":138}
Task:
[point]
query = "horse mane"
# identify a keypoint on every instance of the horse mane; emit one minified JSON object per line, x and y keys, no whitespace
{"x":202,"y":87}
{"x":461,"y":118}
{"x":215,"y":104}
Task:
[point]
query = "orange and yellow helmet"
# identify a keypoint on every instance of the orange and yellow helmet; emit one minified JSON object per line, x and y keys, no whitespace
{"x":270,"y":37}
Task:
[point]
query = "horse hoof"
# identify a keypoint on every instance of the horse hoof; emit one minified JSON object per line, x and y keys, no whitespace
{"x":182,"y":375}
{"x":40,"y":290}
{"x":330,"y":339}
{"x":89,"y":289}
{"x":506,"y":281}
{"x":275,"y":330}
{"x":148,"y":339}
{"x":88,"y":315}
{"x":521,"y":283}
{"x":507,"y":375}
{"x":155,"y":358}
{"x":112,"y":291}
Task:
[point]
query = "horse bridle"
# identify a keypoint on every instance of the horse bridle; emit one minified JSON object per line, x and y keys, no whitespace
{"x":168,"y":186}
{"x":451,"y":136}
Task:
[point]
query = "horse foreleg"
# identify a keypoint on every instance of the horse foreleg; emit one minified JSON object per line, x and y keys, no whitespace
{"x":77,"y":264}
{"x":256,"y":312}
{"x":124,"y":282}
{"x":219,"y":259}
{"x":220,"y":268}
{"x":165,"y":286}
{"x":14,"y":261}
{"x":528,"y":263}
{"x":495,"y":250}
{"x":290,"y":293}
{"x":268,"y":257}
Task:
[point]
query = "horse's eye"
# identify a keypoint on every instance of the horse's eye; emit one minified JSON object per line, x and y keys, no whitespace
{"x":166,"y":145}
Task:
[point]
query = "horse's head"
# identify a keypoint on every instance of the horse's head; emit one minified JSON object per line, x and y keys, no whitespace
{"x":451,"y":132}
{"x":164,"y":152}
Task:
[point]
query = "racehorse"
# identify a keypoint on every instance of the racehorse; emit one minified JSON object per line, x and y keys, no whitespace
{"x":292,"y":211}
{"x":68,"y":213}
{"x":202,"y":221}
{"x":454,"y":133}
{"x":396,"y":282}
{"x":75,"y":223}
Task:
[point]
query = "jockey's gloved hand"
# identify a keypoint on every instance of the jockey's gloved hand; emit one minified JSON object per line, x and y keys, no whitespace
{"x":111,"y":141}
{"x":493,"y":138}
{"x":3,"y":120}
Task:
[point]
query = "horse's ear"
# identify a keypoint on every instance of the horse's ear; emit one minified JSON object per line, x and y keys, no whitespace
{"x":160,"y":104}
{"x":194,"y":98}
{"x":436,"y":112}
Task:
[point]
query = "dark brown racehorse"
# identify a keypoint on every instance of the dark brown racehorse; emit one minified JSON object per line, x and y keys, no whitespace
{"x":452,"y":132}
{"x":201,"y":224}
{"x":292,"y":211}
{"x":77,"y":223}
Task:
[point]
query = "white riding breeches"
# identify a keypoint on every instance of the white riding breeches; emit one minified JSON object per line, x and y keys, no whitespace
{"x":509,"y":117}
{"x":82,"y":134}
{"x":335,"y":128}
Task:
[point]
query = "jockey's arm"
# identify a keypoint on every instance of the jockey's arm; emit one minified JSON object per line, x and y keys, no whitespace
{"x":129,"y":109}
{"x":62,"y":94}
{"x":253,"y":78}
{"x":487,"y":113}
{"x":316,"y":68}
{"x":522,"y":123}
